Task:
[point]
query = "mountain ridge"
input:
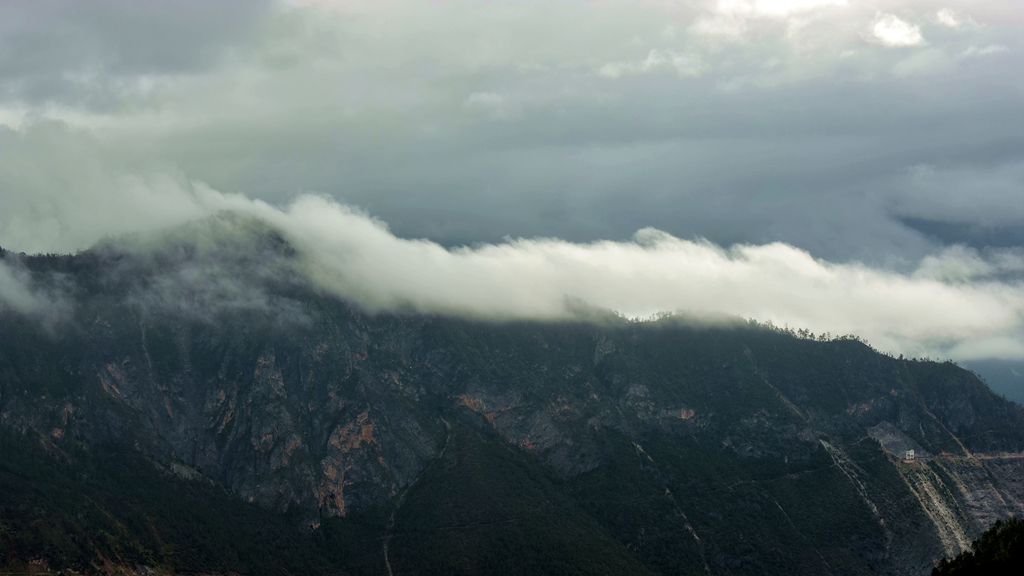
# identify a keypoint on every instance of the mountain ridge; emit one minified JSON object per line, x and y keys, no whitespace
{"x":673,"y":447}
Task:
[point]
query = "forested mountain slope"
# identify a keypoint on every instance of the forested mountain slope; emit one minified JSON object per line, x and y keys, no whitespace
{"x":197,"y":418}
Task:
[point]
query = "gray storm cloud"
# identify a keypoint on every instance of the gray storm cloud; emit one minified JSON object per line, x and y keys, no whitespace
{"x":827,"y":124}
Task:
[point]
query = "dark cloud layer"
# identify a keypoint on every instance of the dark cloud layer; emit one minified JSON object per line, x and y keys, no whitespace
{"x":737,"y":121}
{"x":99,"y":54}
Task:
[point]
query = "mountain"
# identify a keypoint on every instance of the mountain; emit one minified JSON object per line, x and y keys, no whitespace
{"x":190,"y":404}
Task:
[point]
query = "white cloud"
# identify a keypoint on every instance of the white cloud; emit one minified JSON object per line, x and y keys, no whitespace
{"x":731,"y":20}
{"x":893,"y":32}
{"x":929,"y":312}
{"x":991,"y":49}
{"x":685,"y":65}
{"x":774,"y":8}
{"x":19,"y":293}
{"x":15,"y":292}
{"x":962,"y":264}
{"x":948,"y":18}
{"x":61,"y":194}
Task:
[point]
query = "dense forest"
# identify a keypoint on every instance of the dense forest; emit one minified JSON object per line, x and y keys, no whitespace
{"x":998,"y":552}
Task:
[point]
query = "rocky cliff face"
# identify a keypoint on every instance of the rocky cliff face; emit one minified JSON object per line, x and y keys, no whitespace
{"x":728,"y":449}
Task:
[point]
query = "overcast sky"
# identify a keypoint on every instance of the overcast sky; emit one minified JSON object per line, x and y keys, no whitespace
{"x":883,"y":137}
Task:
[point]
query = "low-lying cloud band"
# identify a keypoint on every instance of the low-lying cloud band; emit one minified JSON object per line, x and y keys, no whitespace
{"x":959,"y":303}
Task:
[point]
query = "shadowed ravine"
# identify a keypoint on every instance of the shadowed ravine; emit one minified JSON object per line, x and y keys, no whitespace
{"x":389,"y":531}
